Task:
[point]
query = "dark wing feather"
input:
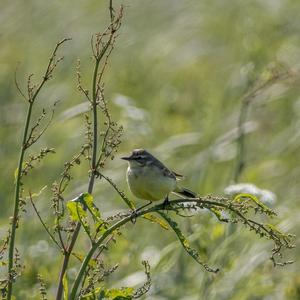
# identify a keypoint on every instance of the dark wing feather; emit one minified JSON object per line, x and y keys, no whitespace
{"x":164,"y":169}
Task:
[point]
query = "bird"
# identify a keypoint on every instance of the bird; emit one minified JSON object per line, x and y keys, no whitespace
{"x":149,"y":179}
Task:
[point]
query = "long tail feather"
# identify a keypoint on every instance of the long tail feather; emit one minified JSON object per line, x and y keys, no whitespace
{"x":185,"y":192}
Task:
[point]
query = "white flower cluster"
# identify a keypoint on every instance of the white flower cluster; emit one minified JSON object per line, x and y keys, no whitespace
{"x":265,"y":196}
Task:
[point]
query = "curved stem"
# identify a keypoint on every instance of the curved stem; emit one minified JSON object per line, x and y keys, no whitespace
{"x":100,"y":241}
{"x":117,"y":225}
{"x":203,"y":202}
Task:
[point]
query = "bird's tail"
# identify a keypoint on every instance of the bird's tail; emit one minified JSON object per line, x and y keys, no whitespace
{"x":185,"y":192}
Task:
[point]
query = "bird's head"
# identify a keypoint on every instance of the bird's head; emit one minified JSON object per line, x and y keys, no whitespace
{"x":138,"y":157}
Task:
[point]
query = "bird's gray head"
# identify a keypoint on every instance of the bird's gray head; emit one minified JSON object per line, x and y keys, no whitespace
{"x":139,"y":157}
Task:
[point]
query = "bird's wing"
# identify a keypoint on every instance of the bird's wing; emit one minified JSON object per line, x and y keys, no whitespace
{"x":163,"y":168}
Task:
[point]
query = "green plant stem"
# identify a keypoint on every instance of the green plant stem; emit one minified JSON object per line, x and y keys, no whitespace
{"x":69,"y":250}
{"x":24,"y":146}
{"x":204,"y":202}
{"x":32,"y":95}
{"x":97,"y":244}
{"x":245,"y":104}
{"x":14,"y":223}
{"x":117,"y":225}
{"x":94,"y":164}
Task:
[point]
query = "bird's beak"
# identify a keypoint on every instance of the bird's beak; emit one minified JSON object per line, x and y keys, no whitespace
{"x":126,"y":158}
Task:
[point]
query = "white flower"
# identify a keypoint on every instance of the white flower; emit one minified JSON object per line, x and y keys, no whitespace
{"x":266,"y":196}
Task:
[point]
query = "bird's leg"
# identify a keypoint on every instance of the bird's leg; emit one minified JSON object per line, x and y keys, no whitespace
{"x":166,"y":202}
{"x":134,"y":212}
{"x":150,"y":202}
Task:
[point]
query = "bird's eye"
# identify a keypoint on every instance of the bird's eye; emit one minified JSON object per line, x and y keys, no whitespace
{"x":138,"y":158}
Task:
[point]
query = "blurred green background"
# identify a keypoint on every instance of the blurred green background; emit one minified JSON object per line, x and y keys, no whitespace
{"x":175,"y":82}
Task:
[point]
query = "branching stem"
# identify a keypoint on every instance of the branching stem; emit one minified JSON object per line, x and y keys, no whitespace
{"x":201,"y":202}
{"x":90,"y":186}
{"x":99,"y":51}
{"x":32,"y":95}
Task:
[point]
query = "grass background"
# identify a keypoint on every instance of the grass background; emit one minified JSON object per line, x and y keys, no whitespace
{"x":175,"y":82}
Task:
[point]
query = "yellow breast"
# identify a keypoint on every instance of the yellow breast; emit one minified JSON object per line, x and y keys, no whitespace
{"x":149,"y":183}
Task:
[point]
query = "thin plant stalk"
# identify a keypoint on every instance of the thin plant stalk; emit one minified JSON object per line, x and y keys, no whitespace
{"x":97,"y":76}
{"x":32,"y":95}
{"x":213,"y":204}
{"x":98,"y":243}
{"x":243,"y":114}
{"x":14,"y":223}
{"x":69,"y":249}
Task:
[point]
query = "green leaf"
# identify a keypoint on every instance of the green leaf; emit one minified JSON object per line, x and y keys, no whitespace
{"x":118,"y":294}
{"x":266,"y":209}
{"x":89,"y":201}
{"x":112,"y":294}
{"x":76,"y":211}
{"x":65,"y":286}
{"x":154,"y":219}
{"x":185,"y":243}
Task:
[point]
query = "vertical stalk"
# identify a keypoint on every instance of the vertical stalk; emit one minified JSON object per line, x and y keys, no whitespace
{"x":96,"y":245}
{"x":245,"y":104}
{"x":14,"y":222}
{"x":33,"y":92}
{"x":69,"y":250}
{"x":98,"y":55}
{"x":240,"y":161}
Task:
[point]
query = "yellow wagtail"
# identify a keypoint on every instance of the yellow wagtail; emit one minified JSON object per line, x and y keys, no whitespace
{"x":150,"y":179}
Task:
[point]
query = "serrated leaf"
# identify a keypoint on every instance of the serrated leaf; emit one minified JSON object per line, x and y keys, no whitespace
{"x":118,"y":294}
{"x":88,"y":198}
{"x":154,"y":219}
{"x":89,"y":201}
{"x":185,"y":243}
{"x":112,"y":294}
{"x":76,"y":211}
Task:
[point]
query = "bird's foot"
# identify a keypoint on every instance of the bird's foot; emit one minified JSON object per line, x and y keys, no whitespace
{"x":134,"y":213}
{"x":133,"y":216}
{"x":166,"y":202}
{"x":140,"y":208}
